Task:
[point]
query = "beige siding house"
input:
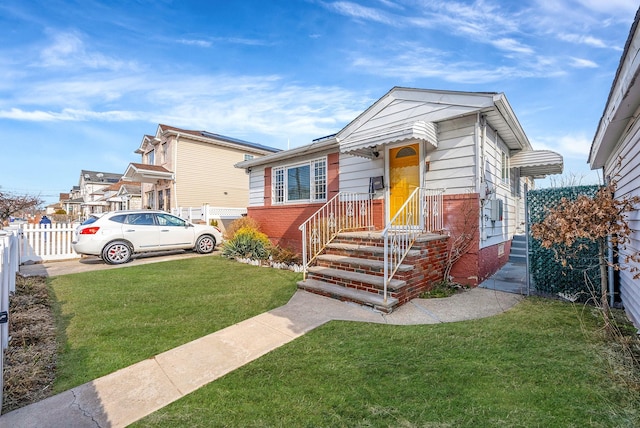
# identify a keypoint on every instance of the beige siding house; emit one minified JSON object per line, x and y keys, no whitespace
{"x":183,"y":168}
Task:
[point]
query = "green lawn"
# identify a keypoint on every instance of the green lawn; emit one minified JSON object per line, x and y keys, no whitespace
{"x":533,"y":366}
{"x":110,"y":319}
{"x":541,"y":364}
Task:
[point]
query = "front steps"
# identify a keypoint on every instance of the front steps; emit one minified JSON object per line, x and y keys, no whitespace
{"x":518,"y":253}
{"x":352,"y":269}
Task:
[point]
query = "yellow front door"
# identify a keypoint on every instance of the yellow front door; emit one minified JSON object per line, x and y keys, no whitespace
{"x":404,"y":175}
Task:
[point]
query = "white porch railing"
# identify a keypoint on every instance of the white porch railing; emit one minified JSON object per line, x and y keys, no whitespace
{"x":346,"y":211}
{"x":422,"y":212}
{"x":9,"y":260}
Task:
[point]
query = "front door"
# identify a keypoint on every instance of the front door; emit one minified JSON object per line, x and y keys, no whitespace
{"x":404,"y":175}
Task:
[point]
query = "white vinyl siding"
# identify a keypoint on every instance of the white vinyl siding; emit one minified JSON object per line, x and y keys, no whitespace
{"x":628,"y":176}
{"x":256,"y":187}
{"x":356,"y":172}
{"x":452,"y":164}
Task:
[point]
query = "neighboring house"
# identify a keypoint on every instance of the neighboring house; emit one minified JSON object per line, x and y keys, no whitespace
{"x":123,"y":195}
{"x":466,"y":148}
{"x":618,"y":137}
{"x":90,"y":192}
{"x":185,"y":168}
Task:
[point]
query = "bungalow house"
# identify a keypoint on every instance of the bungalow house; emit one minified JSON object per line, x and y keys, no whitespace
{"x":183,"y":168}
{"x":618,"y":137}
{"x":413,"y":169}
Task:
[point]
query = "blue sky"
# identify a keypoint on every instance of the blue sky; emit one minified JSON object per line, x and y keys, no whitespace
{"x":82,"y":81}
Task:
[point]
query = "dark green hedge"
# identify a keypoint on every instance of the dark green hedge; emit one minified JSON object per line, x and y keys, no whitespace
{"x":548,"y":274}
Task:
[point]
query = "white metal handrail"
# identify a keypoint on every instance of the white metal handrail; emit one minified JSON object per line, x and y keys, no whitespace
{"x":346,"y":211}
{"x":421,"y":212}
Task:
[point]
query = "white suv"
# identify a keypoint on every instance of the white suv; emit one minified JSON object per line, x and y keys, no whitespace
{"x":116,"y":236}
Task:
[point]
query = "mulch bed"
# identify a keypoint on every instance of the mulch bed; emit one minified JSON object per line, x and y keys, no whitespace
{"x":30,"y":359}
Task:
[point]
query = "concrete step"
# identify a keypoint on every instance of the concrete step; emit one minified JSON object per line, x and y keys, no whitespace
{"x":376,"y":301}
{"x":358,"y":263}
{"x":364,"y":249}
{"x":318,"y":272}
{"x":517,"y":258}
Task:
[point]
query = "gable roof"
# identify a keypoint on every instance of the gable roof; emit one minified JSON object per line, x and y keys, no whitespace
{"x":623,"y":102}
{"x":143,"y":173}
{"x":410,"y":113}
{"x":205,"y":136}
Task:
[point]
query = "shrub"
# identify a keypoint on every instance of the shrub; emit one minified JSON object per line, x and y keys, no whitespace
{"x":284,"y":255}
{"x":238,"y":224}
{"x":249,"y":243}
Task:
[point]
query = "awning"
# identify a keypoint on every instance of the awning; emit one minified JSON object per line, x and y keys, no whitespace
{"x":537,"y":163}
{"x":364,"y":143}
{"x":146,"y":173}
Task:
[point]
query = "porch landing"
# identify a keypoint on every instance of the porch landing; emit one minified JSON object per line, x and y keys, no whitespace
{"x":352,"y":269}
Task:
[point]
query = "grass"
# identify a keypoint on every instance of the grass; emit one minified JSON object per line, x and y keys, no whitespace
{"x":541,"y":364}
{"x":110,"y":319}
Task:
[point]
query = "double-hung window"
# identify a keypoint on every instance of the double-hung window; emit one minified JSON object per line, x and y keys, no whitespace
{"x":304,"y":182}
{"x":504,"y":167}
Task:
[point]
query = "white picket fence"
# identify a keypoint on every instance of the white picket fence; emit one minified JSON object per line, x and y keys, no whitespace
{"x":46,"y":242}
{"x":207,"y":213}
{"x":9,"y":262}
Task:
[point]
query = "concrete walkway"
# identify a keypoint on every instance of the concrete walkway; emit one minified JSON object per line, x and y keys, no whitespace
{"x":125,"y":396}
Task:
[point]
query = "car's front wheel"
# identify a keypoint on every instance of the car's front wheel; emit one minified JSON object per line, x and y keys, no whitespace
{"x":116,"y":252}
{"x":205,"y":244}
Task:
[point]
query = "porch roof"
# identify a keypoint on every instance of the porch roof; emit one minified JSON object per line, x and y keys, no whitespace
{"x":537,"y":163}
{"x":364,"y":144}
{"x":146,"y":173}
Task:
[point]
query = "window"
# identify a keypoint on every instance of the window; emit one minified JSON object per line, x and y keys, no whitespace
{"x":167,"y":197}
{"x":504,"y":167}
{"x":302,"y":182}
{"x":170,"y":220}
{"x":160,"y":200}
{"x":151,"y":157}
{"x":165,"y":152}
{"x":248,"y":157}
{"x":151,"y":203}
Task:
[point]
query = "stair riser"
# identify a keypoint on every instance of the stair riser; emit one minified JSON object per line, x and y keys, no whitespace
{"x":356,"y":285}
{"x":350,"y":268}
{"x":356,"y":253}
{"x":352,"y":300}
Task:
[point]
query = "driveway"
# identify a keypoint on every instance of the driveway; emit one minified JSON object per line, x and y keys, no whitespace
{"x":92,"y":263}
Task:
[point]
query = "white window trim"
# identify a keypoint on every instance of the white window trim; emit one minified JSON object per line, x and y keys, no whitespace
{"x":312,"y":182}
{"x":504,"y":167}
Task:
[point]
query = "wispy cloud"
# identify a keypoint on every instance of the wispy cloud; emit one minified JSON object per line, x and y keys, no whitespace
{"x":512,"y":45}
{"x":68,"y":50}
{"x":582,"y":63}
{"x":357,"y":11}
{"x":582,"y":39}
{"x":195,"y":42}
{"x":575,"y":146}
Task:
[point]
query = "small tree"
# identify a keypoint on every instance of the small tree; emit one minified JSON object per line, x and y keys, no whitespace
{"x":11,"y":203}
{"x":567,"y":227}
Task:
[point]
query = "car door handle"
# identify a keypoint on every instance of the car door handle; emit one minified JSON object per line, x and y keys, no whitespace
{"x":130,"y":230}
{"x":165,"y":230}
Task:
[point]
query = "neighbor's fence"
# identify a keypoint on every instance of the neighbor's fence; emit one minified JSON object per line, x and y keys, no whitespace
{"x":206,"y":213}
{"x":548,"y":273}
{"x":46,"y":242}
{"x":9,"y":262}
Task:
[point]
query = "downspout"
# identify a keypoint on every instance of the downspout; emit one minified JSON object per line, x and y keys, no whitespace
{"x":175,"y":168}
{"x":483,"y":137}
{"x":610,"y":271}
